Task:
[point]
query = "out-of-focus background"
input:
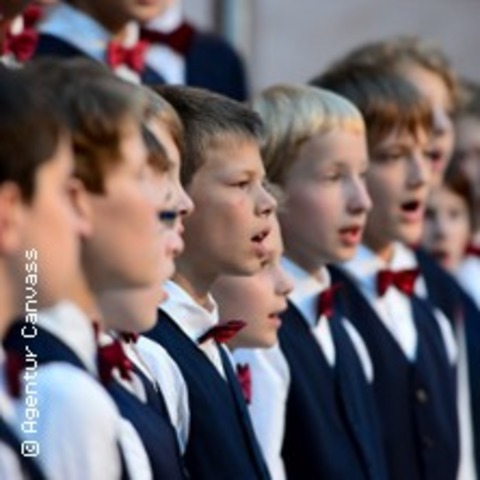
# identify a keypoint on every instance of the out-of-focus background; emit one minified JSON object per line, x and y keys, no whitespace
{"x":290,"y":40}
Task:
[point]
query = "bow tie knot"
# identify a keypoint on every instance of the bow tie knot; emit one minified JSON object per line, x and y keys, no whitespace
{"x":244,"y":377}
{"x":222,"y":332}
{"x":21,"y":46}
{"x":403,"y":280}
{"x":133,"y":57}
{"x":326,"y":301}
{"x":111,"y":357}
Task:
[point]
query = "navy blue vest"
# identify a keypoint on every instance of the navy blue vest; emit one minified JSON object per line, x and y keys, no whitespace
{"x":29,"y":465}
{"x":221,"y":443}
{"x":152,"y":423}
{"x":416,"y":401}
{"x":51,"y":46}
{"x":331,"y":430}
{"x":49,"y":348}
{"x":213,"y":64}
{"x":445,"y":293}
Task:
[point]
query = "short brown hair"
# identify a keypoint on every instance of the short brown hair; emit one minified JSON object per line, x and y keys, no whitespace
{"x":30,"y":130}
{"x":161,"y":112}
{"x":97,"y":105}
{"x":207,"y":118}
{"x":386,"y":101}
{"x":397,"y":52}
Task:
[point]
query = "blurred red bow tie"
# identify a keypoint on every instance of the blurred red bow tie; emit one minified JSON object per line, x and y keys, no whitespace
{"x":245,"y":379}
{"x":326,"y":301}
{"x":111,"y":357}
{"x":222,"y":332}
{"x":129,"y":337}
{"x":133,"y":57}
{"x":14,"y":366}
{"x":178,"y":40}
{"x":403,"y":280}
{"x":21,"y":46}
{"x":473,"y":250}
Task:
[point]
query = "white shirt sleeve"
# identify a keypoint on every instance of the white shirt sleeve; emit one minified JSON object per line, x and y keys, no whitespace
{"x":10,"y":466}
{"x":78,"y":425}
{"x":361,"y":349}
{"x":172,"y":384}
{"x":270,"y":383}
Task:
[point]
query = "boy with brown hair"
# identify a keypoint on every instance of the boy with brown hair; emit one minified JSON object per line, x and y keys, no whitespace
{"x":223,"y":174}
{"x":411,"y":343}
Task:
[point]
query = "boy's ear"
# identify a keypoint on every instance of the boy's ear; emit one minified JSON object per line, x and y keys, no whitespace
{"x":12,"y":218}
{"x":81,"y":207}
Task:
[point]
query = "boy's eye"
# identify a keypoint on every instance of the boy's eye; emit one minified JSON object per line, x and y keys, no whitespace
{"x":168,"y":217}
{"x":242,"y":183}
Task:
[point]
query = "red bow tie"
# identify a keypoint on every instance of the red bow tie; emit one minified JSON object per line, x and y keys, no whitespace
{"x":223,"y":332}
{"x":179,"y":40}
{"x":245,"y":379}
{"x":21,"y":46}
{"x":32,"y":15}
{"x":133,"y":57}
{"x":403,"y":280}
{"x":14,"y":366}
{"x":472,"y":250}
{"x":326,"y":301}
{"x":129,"y":337}
{"x":110,"y":357}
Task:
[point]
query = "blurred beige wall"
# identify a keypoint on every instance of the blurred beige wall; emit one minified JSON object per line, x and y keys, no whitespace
{"x":287,"y":40}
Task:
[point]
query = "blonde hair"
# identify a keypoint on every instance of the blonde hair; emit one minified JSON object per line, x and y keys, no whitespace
{"x":292,"y":114}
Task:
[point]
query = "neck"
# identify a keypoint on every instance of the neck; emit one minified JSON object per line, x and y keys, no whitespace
{"x":82,"y":295}
{"x":303,"y":258}
{"x":384,"y":250}
{"x":112,"y":21}
{"x":195,"y":284}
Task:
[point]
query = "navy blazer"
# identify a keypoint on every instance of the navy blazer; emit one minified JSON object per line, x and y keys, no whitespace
{"x":212,"y":63}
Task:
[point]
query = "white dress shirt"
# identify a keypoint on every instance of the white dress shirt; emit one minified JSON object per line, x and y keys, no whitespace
{"x":161,"y":58}
{"x":193,"y":319}
{"x":79,"y":427}
{"x":304,"y":296}
{"x":10,"y":465}
{"x":394,"y":308}
{"x":270,"y":384}
{"x":157,"y":365}
{"x":82,"y":31}
{"x":468,"y":275}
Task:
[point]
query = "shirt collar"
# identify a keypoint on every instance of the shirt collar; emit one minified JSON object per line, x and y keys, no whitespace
{"x":71,"y":326}
{"x":82,"y":31}
{"x":306,"y":288}
{"x":192,"y":318}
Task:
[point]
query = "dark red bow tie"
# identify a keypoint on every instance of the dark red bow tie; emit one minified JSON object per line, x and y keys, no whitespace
{"x":473,"y":250}
{"x":403,"y":280}
{"x":222,"y":332}
{"x":178,"y":40}
{"x":21,"y":46}
{"x":129,"y":337}
{"x":245,"y":379}
{"x":14,"y":366}
{"x":133,"y":57}
{"x":32,"y":15}
{"x":110,"y":357}
{"x":326,"y":301}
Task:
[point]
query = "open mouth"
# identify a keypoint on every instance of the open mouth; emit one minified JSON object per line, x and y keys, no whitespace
{"x":434,"y":156}
{"x":441,"y":255}
{"x":260,"y":237}
{"x":411,"y":207}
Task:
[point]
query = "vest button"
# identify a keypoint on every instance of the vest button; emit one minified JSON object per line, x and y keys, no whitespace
{"x":422,"y":395}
